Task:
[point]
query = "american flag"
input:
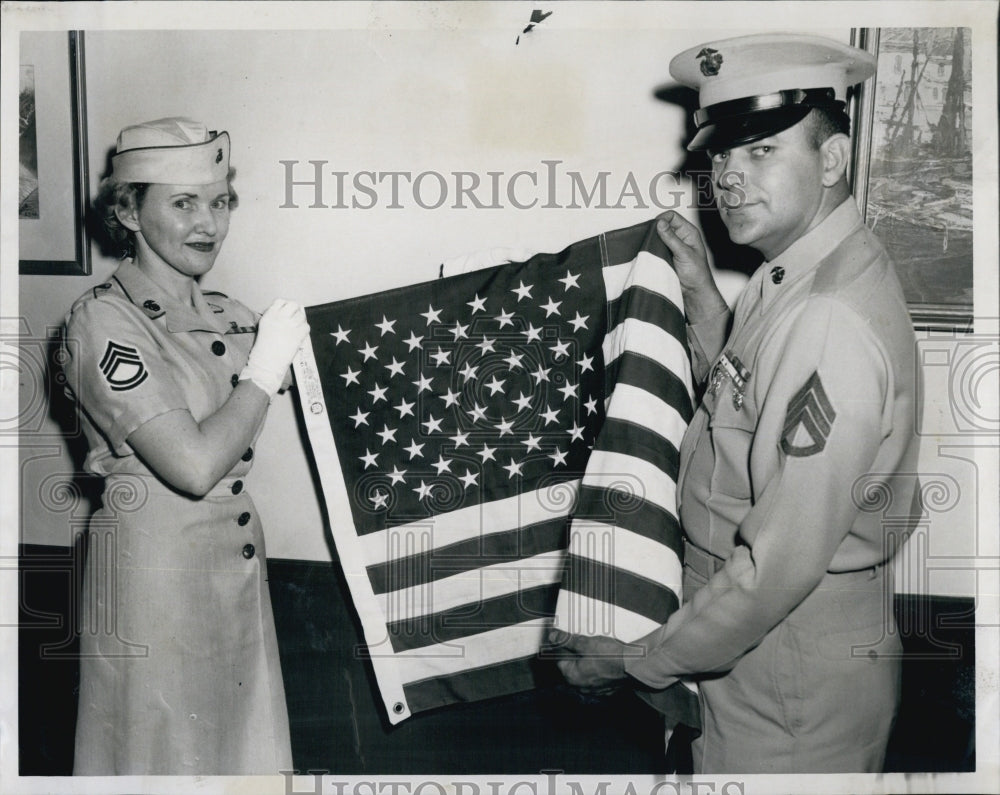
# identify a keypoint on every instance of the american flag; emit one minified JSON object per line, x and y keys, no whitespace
{"x":498,"y":451}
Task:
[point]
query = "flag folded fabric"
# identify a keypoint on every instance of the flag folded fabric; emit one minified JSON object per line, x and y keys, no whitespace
{"x":498,"y":451}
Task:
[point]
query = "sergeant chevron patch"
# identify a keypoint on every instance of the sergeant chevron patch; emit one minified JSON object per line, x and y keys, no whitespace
{"x":808,"y":421}
{"x":122,"y":366}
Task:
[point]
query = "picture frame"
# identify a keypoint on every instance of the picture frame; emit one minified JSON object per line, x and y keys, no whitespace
{"x":53,"y":180}
{"x":912,"y":166}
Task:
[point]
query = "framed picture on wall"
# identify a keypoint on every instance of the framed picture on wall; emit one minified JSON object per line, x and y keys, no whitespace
{"x":913,"y":166}
{"x":52,"y":154}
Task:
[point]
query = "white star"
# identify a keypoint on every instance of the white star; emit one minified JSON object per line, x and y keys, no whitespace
{"x":533,"y":333}
{"x":414,"y":342}
{"x":351,"y":376}
{"x":451,"y":398}
{"x":404,"y":408}
{"x":441,"y":357}
{"x":513,"y":468}
{"x":396,"y":476}
{"x":591,"y":406}
{"x":551,"y":416}
{"x":579,"y":322}
{"x":533,"y":442}
{"x":360,"y":417}
{"x":514,"y":360}
{"x":576,"y":432}
{"x":570,"y":280}
{"x":487,"y":453}
{"x":396,"y":368}
{"x":460,"y":331}
{"x":505,"y":318}
{"x":415,"y":450}
{"x":340,"y":334}
{"x":369,"y":458}
{"x":559,"y":457}
{"x":551,"y":308}
{"x":505,"y":426}
{"x":378,"y":393}
{"x":568,"y":390}
{"x":541,"y":374}
{"x":478,"y":304}
{"x":422,"y":384}
{"x":485,"y":346}
{"x":494,"y":386}
{"x":560,"y":349}
{"x":586,"y":363}
{"x":460,"y":439}
{"x":433,"y":315}
{"x":432,"y":424}
{"x":442,"y":464}
{"x":468,"y":478}
{"x":386,"y":326}
{"x":368,"y":351}
{"x":380,"y":499}
{"x":522,"y":291}
{"x":468,"y":371}
{"x":388,"y":434}
{"x":424,"y":490}
{"x":477,"y":413}
{"x":523,"y":402}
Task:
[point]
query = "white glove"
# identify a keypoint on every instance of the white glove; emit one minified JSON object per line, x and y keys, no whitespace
{"x":280,"y":333}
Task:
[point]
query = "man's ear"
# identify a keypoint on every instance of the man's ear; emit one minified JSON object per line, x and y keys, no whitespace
{"x":128,"y":216}
{"x":836,"y":152}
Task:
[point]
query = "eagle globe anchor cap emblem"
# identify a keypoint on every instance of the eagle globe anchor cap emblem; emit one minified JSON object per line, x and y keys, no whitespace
{"x":711,"y":61}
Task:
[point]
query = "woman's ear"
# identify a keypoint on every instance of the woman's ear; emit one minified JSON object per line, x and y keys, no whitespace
{"x":128,"y":215}
{"x":836,"y":151}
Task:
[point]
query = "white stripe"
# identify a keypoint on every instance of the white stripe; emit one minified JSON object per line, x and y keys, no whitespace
{"x":582,"y":615}
{"x":472,"y":587}
{"x":628,"y":551}
{"x":631,"y":475}
{"x":648,"y":271}
{"x":478,"y":521}
{"x":473,"y":651}
{"x":630,"y":402}
{"x":651,"y":341}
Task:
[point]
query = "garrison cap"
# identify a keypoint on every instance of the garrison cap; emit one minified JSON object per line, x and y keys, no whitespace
{"x":175,"y":151}
{"x":751,"y":87}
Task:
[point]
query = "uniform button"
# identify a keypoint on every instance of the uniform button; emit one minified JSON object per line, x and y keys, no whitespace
{"x":248,"y":551}
{"x":243,"y":519}
{"x":777,"y":274}
{"x":218,"y":348}
{"x":247,"y":455}
{"x":237,"y":487}
{"x":234,"y":380}
{"x":151,"y":305}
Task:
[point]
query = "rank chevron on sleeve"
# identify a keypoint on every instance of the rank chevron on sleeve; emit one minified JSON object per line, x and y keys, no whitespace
{"x":808,"y":421}
{"x":123,"y":367}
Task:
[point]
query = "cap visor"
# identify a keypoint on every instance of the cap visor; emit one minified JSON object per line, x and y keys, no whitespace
{"x":740,"y":130}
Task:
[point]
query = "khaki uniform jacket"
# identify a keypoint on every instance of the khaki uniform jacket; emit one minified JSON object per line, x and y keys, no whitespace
{"x":179,"y":660}
{"x":800,"y":463}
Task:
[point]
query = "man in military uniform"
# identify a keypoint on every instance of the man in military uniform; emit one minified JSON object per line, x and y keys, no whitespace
{"x":803,"y":444}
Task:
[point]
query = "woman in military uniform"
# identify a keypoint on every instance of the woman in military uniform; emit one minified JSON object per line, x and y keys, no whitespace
{"x":179,"y":659}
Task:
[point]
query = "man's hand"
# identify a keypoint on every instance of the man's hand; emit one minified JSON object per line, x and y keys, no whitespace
{"x":596,"y":665}
{"x":702,"y":299}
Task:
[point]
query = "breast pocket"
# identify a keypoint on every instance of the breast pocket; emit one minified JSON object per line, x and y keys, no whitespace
{"x":732,"y":431}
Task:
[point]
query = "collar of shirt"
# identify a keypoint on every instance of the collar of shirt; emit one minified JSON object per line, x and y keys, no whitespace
{"x":806,"y":253}
{"x":155,"y":302}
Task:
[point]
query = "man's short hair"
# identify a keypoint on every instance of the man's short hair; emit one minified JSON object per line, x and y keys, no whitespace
{"x":821,"y":123}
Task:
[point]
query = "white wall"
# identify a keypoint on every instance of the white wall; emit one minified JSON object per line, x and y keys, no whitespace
{"x":434,"y":99}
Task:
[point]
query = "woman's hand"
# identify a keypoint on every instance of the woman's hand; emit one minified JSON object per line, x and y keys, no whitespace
{"x":280,"y":333}
{"x":702,"y":298}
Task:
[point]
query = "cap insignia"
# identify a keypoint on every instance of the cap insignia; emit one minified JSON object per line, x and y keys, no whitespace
{"x":711,"y":61}
{"x":218,"y":155}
